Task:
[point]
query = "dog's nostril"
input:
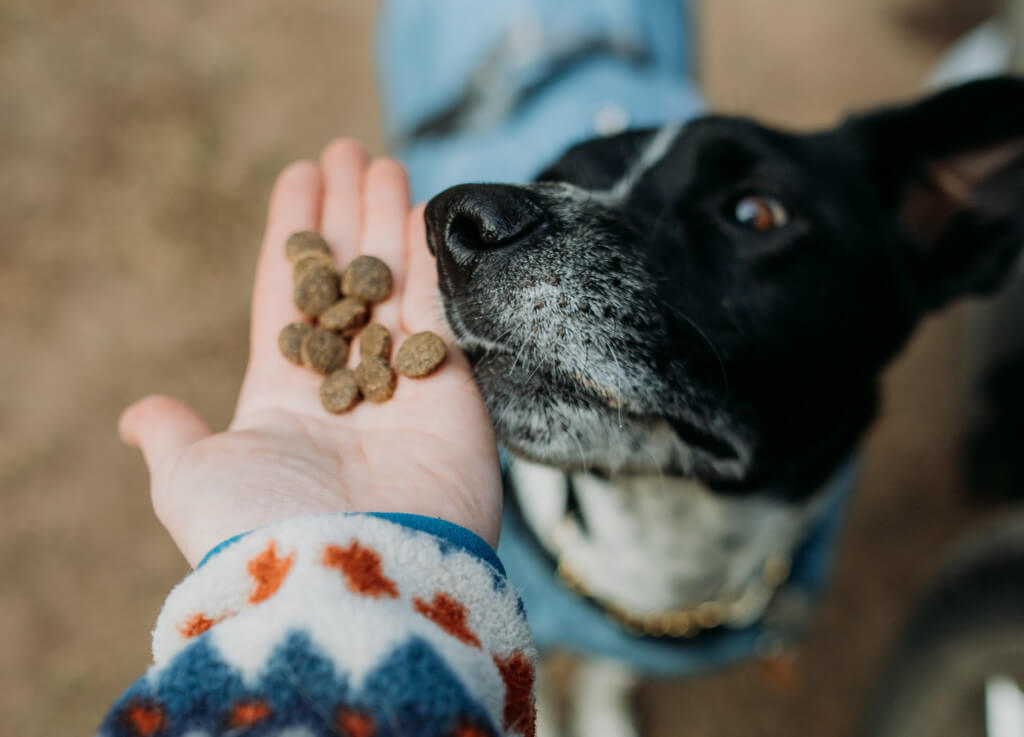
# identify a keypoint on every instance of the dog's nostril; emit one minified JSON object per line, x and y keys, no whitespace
{"x":465,"y":232}
{"x":482,"y":217}
{"x":482,"y":225}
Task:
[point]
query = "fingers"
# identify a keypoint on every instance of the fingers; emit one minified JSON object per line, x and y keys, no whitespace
{"x":161,"y":428}
{"x":385,"y":206}
{"x":421,"y":306}
{"x":294,"y":205}
{"x":344,"y":167}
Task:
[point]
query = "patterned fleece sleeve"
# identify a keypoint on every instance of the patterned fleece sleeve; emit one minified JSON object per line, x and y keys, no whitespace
{"x":341,"y":625}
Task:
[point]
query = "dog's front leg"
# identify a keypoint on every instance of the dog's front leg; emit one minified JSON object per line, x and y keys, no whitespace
{"x":601,"y":703}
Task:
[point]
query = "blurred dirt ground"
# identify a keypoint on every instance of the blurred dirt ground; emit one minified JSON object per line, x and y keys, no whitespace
{"x":138,"y":143}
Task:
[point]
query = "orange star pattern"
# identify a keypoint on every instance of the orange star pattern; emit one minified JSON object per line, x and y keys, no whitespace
{"x":361,"y":568}
{"x":268,"y":572}
{"x":248,"y":713}
{"x":353,"y":724}
{"x":520,"y":711}
{"x":197,"y":624}
{"x":145,"y":721}
{"x":449,"y":615}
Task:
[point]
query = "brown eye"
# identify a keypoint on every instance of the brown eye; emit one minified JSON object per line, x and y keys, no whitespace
{"x":760,"y":213}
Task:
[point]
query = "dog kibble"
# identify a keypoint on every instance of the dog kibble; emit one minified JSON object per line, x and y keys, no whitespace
{"x":324,"y":351}
{"x":308,"y":262}
{"x":376,"y":379}
{"x":368,"y":278}
{"x":375,"y":342}
{"x":289,"y":340}
{"x":317,"y":290}
{"x":420,"y":354}
{"x":303,"y":242}
{"x":340,"y":391}
{"x":346,"y":316}
{"x":341,"y":306}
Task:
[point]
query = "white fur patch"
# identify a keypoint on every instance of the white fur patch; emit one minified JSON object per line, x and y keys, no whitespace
{"x":654,"y":544}
{"x":656,"y":149}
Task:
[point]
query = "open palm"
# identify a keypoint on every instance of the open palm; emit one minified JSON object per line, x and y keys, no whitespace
{"x":429,"y":450}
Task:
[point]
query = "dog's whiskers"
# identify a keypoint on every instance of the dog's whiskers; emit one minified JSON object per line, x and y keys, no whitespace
{"x":535,"y":370}
{"x":519,"y":355}
{"x":654,"y":461}
{"x":710,"y":344}
{"x":499,"y":343}
{"x":618,"y":384}
{"x":579,"y":447}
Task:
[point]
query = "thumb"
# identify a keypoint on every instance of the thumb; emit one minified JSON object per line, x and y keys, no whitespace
{"x":160,"y":427}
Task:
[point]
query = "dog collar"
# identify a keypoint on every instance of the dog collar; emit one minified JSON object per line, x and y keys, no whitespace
{"x":557,"y":527}
{"x":683,"y":622}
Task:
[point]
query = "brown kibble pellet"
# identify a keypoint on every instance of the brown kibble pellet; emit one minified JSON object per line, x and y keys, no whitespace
{"x":376,"y":379}
{"x":375,"y":342}
{"x":289,"y":340}
{"x":324,"y":351}
{"x":340,"y":391}
{"x":304,"y":242}
{"x":420,"y":354}
{"x":368,"y":278}
{"x":346,"y":316}
{"x":316,"y":291}
{"x":308,"y":262}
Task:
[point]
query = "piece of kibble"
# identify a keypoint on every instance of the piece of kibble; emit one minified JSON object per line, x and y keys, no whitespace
{"x":305,"y":241}
{"x":376,"y":379}
{"x":375,"y":342}
{"x":340,"y":391}
{"x":316,"y":291}
{"x":308,"y":262}
{"x":346,"y":316}
{"x":289,"y":340}
{"x":420,"y":354}
{"x":324,"y":351}
{"x":368,"y":278}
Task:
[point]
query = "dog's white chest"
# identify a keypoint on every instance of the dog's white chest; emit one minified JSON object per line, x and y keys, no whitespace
{"x":651,"y":545}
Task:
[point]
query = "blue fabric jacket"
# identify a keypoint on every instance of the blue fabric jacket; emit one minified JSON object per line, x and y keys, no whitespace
{"x":493,"y":91}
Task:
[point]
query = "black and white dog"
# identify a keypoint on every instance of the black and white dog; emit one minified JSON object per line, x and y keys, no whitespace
{"x":690,"y":323}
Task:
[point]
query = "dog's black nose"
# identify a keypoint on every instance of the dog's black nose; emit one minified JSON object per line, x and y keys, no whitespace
{"x":480,"y":217}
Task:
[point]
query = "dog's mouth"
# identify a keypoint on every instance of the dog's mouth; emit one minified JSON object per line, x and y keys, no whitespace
{"x":573,"y":383}
{"x":565,"y":416}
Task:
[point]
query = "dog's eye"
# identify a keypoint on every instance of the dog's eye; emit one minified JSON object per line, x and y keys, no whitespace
{"x":760,"y":213}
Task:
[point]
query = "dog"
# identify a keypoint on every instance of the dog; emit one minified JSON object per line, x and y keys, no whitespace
{"x":679,"y":332}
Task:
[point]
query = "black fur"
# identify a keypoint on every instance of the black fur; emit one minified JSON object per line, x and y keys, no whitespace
{"x":655,"y":333}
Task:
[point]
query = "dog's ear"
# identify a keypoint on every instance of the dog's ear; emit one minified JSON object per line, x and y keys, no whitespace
{"x":950,"y":169}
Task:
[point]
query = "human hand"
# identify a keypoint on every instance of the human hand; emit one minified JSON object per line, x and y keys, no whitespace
{"x":430,"y":450}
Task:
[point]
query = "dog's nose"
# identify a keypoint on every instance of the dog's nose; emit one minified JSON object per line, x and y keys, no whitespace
{"x":480,"y":217}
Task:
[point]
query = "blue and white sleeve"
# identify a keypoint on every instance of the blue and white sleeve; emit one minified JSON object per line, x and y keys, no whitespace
{"x":351,"y":625}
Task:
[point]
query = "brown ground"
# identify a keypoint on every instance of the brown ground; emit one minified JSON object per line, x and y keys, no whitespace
{"x":139,"y":141}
